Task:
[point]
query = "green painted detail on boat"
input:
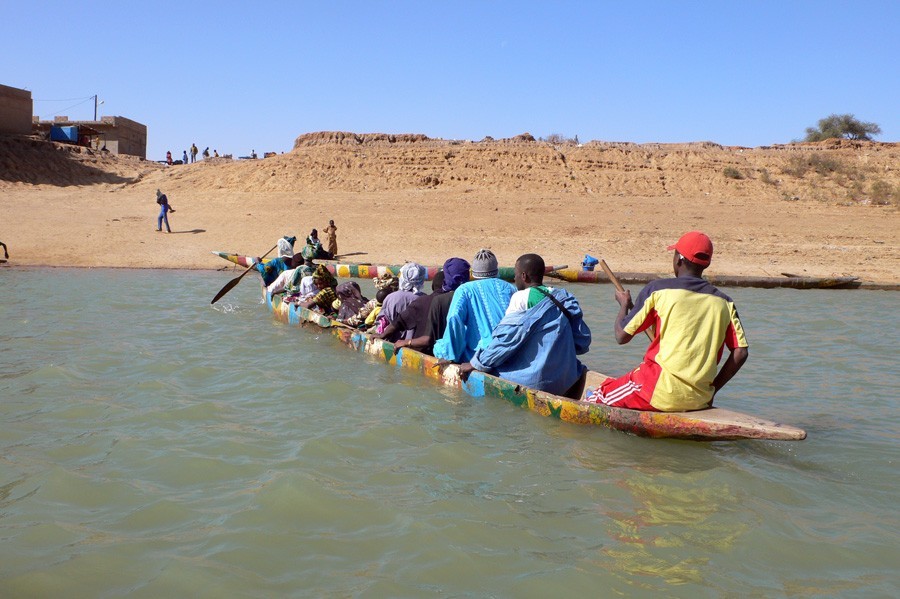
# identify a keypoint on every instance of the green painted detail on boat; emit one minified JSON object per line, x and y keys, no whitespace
{"x":555,"y":412}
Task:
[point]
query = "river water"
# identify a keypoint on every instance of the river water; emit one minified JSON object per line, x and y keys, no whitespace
{"x":153,"y":445}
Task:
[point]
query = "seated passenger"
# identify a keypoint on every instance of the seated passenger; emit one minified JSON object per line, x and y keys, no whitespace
{"x":270,"y":269}
{"x":313,"y":241}
{"x":351,"y":298}
{"x":456,"y":272}
{"x":413,"y":320}
{"x":537,"y":346}
{"x":412,"y":278}
{"x":693,"y":322}
{"x":373,"y":323}
{"x":476,"y":309}
{"x":386,"y":284}
{"x":287,"y":276}
{"x":324,"y":298}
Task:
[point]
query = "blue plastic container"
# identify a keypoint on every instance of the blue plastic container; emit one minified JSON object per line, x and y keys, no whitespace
{"x":69,"y":134}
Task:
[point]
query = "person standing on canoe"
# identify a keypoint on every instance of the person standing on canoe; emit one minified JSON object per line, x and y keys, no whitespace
{"x":693,"y":321}
{"x":538,"y":341}
{"x":476,"y":309}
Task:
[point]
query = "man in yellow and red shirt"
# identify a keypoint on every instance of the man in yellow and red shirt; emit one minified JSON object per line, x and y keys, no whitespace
{"x":693,"y":322}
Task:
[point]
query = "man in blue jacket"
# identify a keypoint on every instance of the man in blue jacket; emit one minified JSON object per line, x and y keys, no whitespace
{"x":536,"y":343}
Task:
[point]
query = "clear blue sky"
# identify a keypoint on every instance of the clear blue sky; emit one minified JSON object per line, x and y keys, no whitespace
{"x":237,"y":76}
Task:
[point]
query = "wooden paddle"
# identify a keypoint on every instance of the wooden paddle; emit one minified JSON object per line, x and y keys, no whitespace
{"x":615,"y":281}
{"x":233,"y":282}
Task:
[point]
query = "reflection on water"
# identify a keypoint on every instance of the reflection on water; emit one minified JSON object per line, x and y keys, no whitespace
{"x":155,"y":445}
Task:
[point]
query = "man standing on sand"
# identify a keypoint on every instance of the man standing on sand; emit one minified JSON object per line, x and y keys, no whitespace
{"x":475,"y":310}
{"x":693,"y":321}
{"x":538,"y":341}
{"x":184,"y":158}
{"x":193,"y":152}
{"x":164,"y":209}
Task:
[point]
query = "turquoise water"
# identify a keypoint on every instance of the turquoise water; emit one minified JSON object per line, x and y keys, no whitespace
{"x":156,"y":446}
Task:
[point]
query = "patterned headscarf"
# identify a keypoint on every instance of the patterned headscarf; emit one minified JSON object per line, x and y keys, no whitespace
{"x":323,"y":277}
{"x":412,"y":277}
{"x":456,"y":272}
{"x":308,"y":252}
{"x":351,"y":299}
{"x":387,"y":281}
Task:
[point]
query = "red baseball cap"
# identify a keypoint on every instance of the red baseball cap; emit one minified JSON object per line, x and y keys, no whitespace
{"x":696,"y":247}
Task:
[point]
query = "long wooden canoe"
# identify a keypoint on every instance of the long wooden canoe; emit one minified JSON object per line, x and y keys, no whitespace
{"x":790,"y":281}
{"x":370,"y":271}
{"x":712,"y":424}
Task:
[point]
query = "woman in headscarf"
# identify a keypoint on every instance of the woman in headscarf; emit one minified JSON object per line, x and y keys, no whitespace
{"x":325,"y":283}
{"x":351,"y":298}
{"x":299,"y":285}
{"x":270,"y":269}
{"x":384,"y":285}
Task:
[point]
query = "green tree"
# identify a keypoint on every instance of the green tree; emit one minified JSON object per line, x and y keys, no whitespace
{"x":844,"y":126}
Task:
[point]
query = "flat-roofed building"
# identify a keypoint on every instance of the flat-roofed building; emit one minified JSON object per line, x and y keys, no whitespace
{"x":16,"y":108}
{"x":119,"y":135}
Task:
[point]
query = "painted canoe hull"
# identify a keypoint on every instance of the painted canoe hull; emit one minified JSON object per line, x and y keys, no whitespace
{"x":596,"y":276}
{"x":704,"y":425}
{"x":370,"y":271}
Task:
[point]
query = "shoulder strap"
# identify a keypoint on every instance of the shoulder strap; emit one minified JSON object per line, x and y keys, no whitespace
{"x":555,"y":301}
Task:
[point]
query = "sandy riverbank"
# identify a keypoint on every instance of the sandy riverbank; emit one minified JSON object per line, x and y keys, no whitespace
{"x":429,"y":200}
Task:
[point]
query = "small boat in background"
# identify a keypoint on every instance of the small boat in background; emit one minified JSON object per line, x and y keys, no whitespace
{"x":641,"y":278}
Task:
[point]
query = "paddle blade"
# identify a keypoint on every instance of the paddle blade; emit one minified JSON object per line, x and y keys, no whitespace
{"x":228,"y":287}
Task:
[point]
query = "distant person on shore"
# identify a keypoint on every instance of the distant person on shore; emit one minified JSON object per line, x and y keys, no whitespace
{"x":184,"y":158}
{"x":215,"y":153}
{"x":475,"y":310}
{"x":169,"y":158}
{"x":331,"y":238}
{"x":538,"y":342}
{"x":164,"y":210}
{"x":694,"y":322}
{"x":194,"y":152}
{"x":206,"y":153}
